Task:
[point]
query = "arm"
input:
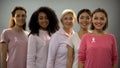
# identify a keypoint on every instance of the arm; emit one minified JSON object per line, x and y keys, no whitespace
{"x":31,"y":54}
{"x":70,"y":56}
{"x":82,"y":52}
{"x":114,"y":54}
{"x":53,"y":46}
{"x":4,"y":46}
{"x":115,"y":65}
{"x":4,"y":54}
{"x":80,"y":65}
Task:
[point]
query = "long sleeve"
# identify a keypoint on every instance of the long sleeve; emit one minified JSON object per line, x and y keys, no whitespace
{"x":114,"y":51}
{"x":31,"y":52}
{"x":82,"y":50}
{"x":53,"y":46}
{"x":69,"y":41}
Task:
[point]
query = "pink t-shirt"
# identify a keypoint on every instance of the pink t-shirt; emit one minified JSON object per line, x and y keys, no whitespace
{"x":17,"y":47}
{"x":98,"y":51}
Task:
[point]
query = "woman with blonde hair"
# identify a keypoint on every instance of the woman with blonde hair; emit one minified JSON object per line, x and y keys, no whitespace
{"x":57,"y":55}
{"x":84,"y":20}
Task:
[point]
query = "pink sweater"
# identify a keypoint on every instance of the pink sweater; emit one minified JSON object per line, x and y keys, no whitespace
{"x":98,"y":51}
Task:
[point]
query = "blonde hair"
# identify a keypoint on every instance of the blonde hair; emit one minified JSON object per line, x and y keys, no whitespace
{"x":66,"y":11}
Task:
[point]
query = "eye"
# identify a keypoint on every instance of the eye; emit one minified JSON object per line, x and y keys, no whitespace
{"x":65,"y":18}
{"x":95,"y":18}
{"x":23,"y":15}
{"x":102,"y":18}
{"x":87,"y":17}
{"x":17,"y":15}
{"x":81,"y":17}
{"x":40,"y":18}
{"x":71,"y":18}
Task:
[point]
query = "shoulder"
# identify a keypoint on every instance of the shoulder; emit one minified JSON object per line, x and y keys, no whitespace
{"x":74,"y":36}
{"x":32,"y":35}
{"x":26,"y":32}
{"x":110,"y":35}
{"x":56,"y":33}
{"x":8,"y":30}
{"x":87,"y":34}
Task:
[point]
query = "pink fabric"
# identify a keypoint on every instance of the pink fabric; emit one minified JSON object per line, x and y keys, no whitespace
{"x":17,"y":48}
{"x":98,"y":51}
{"x":38,"y":50}
{"x":57,"y":55}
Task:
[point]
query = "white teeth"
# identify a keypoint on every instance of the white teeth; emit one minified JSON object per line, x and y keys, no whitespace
{"x":84,"y":24}
{"x":99,"y":24}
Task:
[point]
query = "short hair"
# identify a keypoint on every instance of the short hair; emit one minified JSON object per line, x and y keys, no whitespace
{"x":82,"y":11}
{"x":12,"y":22}
{"x":106,"y":15}
{"x":66,"y":11}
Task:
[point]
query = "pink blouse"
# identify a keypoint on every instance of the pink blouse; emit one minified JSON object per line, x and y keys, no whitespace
{"x":98,"y":51}
{"x":57,"y":55}
{"x":38,"y":50}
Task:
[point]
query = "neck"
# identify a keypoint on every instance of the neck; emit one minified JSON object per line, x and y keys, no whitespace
{"x":69,"y":31}
{"x":18,"y":29}
{"x":98,"y":32}
{"x":44,"y":29}
{"x":81,"y":32}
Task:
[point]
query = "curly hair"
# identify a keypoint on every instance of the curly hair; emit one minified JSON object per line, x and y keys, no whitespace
{"x":52,"y":17}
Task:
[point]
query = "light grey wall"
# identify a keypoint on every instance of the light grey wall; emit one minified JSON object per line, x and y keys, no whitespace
{"x":111,"y":6}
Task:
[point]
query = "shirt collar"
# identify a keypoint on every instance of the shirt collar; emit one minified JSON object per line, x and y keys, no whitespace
{"x":62,"y":31}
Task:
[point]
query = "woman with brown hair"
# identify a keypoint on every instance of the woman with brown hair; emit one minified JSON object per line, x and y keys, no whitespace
{"x":14,"y":40}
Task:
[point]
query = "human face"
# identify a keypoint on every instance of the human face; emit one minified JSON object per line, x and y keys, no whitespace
{"x":68,"y":21}
{"x":84,"y":20}
{"x":99,"y":20}
{"x":43,"y":20}
{"x":19,"y":18}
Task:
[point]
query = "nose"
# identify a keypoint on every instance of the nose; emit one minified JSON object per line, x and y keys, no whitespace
{"x":98,"y":20}
{"x":69,"y":21}
{"x":44,"y":19}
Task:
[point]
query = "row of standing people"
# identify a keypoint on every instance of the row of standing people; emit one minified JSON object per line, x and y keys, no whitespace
{"x":47,"y":46}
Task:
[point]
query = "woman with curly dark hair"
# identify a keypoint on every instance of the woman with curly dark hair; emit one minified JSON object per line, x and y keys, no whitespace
{"x":43,"y":23}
